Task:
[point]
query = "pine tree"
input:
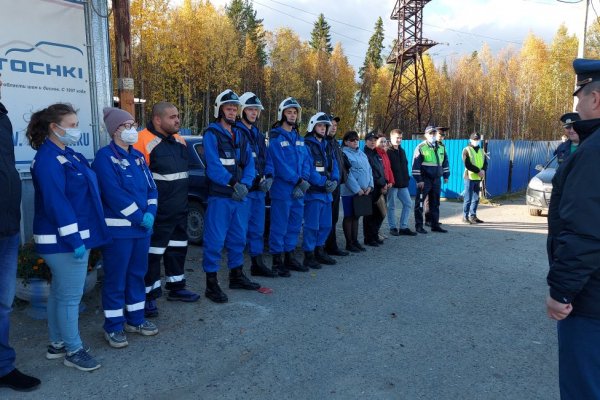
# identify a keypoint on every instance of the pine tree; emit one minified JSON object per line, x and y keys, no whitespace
{"x":320,"y":38}
{"x":243,"y":16}
{"x":374,"y":55}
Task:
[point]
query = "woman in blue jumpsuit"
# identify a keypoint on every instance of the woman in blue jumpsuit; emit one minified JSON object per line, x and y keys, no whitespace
{"x":68,"y":222}
{"x":129,"y":198}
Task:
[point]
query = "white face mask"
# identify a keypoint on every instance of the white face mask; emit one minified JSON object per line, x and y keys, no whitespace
{"x":71,"y":136}
{"x":129,"y":136}
{"x":475,"y":143}
{"x":431,"y":139}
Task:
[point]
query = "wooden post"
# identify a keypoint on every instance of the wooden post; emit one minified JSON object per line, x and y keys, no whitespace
{"x":123,"y":52}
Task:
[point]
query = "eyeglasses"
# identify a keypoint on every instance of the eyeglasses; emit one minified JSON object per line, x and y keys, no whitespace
{"x":129,"y":126}
{"x":352,"y":140}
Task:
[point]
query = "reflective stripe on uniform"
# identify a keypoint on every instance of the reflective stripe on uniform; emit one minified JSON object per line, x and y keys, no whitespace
{"x":177,"y":278}
{"x":152,"y":144}
{"x":113,"y":313}
{"x":177,"y":243}
{"x":152,"y":201}
{"x":44,"y":239}
{"x":117,"y":222}
{"x":62,"y":159}
{"x":170,"y":177}
{"x":227,"y":161}
{"x":320,"y":169}
{"x":299,"y":143}
{"x":136,"y":306}
{"x":285,"y":143}
{"x":130,"y":209}
{"x":155,"y":285}
{"x":85,"y":234}
{"x":157,"y":250}
{"x":68,"y":229}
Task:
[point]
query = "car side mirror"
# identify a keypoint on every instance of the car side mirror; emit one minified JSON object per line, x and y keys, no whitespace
{"x":539,"y":167}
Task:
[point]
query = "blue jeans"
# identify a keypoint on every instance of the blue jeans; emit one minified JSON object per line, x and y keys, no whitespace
{"x":66,"y":289}
{"x":403,"y":195}
{"x":9,"y":248}
{"x":579,"y":358}
{"x":471,"y":200}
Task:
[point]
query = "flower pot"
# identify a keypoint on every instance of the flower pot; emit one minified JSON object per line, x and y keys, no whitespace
{"x":36,"y":292}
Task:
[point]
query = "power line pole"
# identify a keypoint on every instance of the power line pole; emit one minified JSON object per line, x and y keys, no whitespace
{"x":123,"y":51}
{"x":582,"y":43}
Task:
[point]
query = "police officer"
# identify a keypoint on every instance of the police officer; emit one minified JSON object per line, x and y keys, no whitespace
{"x":324,"y":177}
{"x":331,"y":246}
{"x":290,"y":172}
{"x":570,"y":145}
{"x":475,"y":166}
{"x":230,"y":172}
{"x":167,"y":157}
{"x":129,"y":199}
{"x":440,"y":135}
{"x":249,"y":113}
{"x":574,"y":247}
{"x":430,"y":163}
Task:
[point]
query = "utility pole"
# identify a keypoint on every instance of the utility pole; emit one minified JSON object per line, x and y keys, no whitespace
{"x":318,"y":95}
{"x":123,"y":52}
{"x":582,"y":42}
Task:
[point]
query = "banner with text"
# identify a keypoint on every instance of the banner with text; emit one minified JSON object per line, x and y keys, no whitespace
{"x":44,"y":60}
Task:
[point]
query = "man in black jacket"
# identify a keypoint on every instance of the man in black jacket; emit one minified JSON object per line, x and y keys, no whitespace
{"x":331,"y":246}
{"x":10,"y":219}
{"x":399,"y":190}
{"x":570,"y":145}
{"x":372,"y":223}
{"x":574,"y":247}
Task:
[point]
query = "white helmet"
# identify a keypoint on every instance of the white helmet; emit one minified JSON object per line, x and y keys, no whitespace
{"x":290,"y":102}
{"x":249,"y":99}
{"x":318,"y":118}
{"x":227,"y":96}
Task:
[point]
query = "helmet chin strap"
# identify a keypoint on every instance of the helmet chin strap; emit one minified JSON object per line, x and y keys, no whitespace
{"x":247,"y":120}
{"x":229,"y":121}
{"x":292,"y":124}
{"x":319,"y":135}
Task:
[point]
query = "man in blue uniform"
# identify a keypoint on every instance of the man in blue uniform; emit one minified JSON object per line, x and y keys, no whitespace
{"x":249,"y":113}
{"x":574,"y":247}
{"x":324,"y":177}
{"x":287,"y":153}
{"x":230,"y":173}
{"x":570,"y":145}
{"x":430,"y":164}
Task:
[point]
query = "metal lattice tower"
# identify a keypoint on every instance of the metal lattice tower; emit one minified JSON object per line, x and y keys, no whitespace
{"x":409,"y":107}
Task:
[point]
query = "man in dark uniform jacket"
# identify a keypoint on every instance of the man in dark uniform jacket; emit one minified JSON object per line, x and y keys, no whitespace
{"x":570,"y":145}
{"x":10,"y":218}
{"x":574,"y":247}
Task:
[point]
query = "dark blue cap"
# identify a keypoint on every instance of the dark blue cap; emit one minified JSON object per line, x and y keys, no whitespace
{"x":568,"y":119}
{"x":587,"y":71}
{"x":371,"y":135}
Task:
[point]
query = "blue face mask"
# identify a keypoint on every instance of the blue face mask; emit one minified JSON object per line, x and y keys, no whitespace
{"x":71,"y":136}
{"x":431,"y":140}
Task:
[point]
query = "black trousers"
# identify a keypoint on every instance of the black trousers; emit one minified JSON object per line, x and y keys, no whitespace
{"x":168,"y":243}
{"x":431,"y":190}
{"x":372,"y":223}
{"x":331,"y":243}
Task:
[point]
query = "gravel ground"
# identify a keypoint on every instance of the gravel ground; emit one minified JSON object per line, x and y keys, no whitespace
{"x":438,"y":316}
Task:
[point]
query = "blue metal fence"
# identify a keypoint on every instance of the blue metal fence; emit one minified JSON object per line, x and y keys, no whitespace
{"x":525,"y":155}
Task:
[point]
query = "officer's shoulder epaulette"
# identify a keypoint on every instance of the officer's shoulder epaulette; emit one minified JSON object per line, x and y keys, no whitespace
{"x":274,"y":134}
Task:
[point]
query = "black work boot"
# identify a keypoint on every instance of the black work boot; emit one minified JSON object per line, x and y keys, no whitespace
{"x":213,"y":290}
{"x":310,"y":261}
{"x":292,"y":263}
{"x":279,"y":267}
{"x":238,"y":280}
{"x":323,"y":257}
{"x":259,"y":268}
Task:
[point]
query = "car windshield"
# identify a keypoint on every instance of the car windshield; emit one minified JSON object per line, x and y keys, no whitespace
{"x":553,"y":163}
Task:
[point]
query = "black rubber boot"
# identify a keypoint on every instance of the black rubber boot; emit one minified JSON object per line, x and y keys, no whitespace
{"x":279,"y":267}
{"x":323,"y":257}
{"x":238,"y":280}
{"x":310,"y":261}
{"x":293,"y":264}
{"x":213,"y":290}
{"x":259,"y":268}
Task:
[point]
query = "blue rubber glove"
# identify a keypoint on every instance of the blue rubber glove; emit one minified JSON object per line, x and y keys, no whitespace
{"x":79,"y":252}
{"x":147,"y":221}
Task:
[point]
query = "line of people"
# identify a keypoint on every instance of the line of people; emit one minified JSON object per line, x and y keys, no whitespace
{"x":131,"y":202}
